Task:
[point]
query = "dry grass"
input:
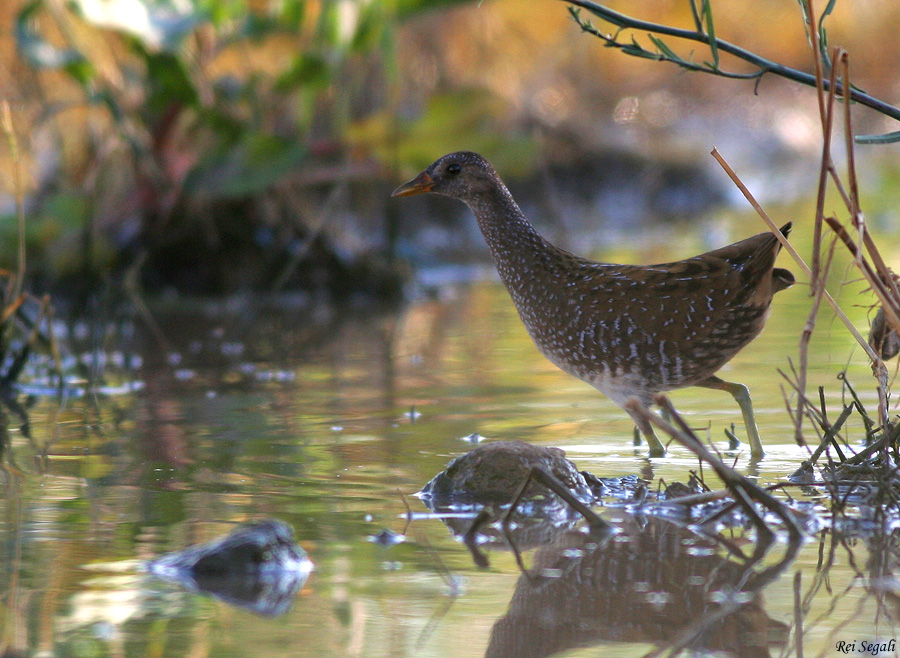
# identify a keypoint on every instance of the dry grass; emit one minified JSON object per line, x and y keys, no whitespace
{"x":873,"y":467}
{"x":14,"y":323}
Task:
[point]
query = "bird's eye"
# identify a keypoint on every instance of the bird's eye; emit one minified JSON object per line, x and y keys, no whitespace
{"x":453,"y":169}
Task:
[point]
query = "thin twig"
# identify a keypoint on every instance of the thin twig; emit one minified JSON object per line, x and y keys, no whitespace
{"x":764,"y":66}
{"x":830,"y":435}
{"x":741,"y":488}
{"x":798,"y":616}
{"x":818,"y":290}
{"x":826,"y":117}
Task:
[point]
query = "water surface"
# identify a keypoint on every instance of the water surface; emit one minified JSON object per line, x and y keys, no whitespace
{"x":331,"y":422}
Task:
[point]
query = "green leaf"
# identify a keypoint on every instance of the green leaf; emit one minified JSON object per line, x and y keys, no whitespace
{"x":168,"y":82}
{"x":81,"y":71}
{"x":257,"y":27}
{"x":711,"y":31}
{"x":408,"y":8}
{"x":226,"y":128}
{"x":608,"y":15}
{"x":293,"y":13}
{"x":636,"y":51}
{"x":469,"y":117}
{"x":804,"y":9}
{"x":829,"y":8}
{"x":328,"y":30}
{"x":664,"y":49}
{"x":368,"y":27}
{"x":309,"y":70}
{"x":698,"y":22}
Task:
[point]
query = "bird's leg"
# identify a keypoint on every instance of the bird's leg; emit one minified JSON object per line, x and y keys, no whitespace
{"x":741,"y":395}
{"x":657,"y":449}
{"x":637,"y":430}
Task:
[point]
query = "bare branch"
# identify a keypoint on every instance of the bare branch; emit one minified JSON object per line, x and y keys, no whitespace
{"x":705,"y":35}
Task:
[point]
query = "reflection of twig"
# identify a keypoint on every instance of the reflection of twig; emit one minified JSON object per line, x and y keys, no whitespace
{"x":798,"y":616}
{"x":314,"y":231}
{"x":470,"y":539}
{"x":132,"y":287}
{"x":454,"y":589}
{"x":14,"y":640}
{"x":538,"y":474}
{"x":822,"y":577}
{"x":409,"y":514}
{"x":750,"y":582}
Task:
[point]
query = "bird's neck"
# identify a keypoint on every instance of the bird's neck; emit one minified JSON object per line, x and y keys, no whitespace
{"x":512,"y":240}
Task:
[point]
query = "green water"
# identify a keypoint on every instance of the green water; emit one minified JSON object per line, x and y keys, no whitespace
{"x":330,"y":423}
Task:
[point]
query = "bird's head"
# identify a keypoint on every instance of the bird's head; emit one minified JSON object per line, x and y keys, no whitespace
{"x":462,"y":175}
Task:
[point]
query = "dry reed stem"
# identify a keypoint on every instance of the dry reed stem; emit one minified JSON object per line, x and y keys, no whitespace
{"x":798,"y":616}
{"x":819,"y":275}
{"x":882,"y":271}
{"x":9,"y":310}
{"x":54,"y":343}
{"x":881,"y":279}
{"x":813,"y":33}
{"x":878,"y":284}
{"x":843,"y":57}
{"x":817,"y":290}
{"x":825,"y":119}
{"x":790,"y":249}
{"x":9,"y":130}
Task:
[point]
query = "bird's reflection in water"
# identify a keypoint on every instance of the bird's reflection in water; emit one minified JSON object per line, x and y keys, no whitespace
{"x":655,"y":582}
{"x":643,"y":579}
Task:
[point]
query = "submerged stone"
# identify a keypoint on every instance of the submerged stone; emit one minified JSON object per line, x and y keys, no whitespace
{"x":258,"y":566}
{"x":493,"y":473}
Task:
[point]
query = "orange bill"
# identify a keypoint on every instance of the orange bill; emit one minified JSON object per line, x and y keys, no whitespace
{"x":418,"y":185}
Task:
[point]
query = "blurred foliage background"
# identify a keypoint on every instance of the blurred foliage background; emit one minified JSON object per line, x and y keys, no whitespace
{"x":250,"y":145}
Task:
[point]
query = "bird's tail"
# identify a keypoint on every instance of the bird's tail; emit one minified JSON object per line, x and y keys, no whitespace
{"x":782,"y":278}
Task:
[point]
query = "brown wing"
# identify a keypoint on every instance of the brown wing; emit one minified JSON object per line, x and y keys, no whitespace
{"x":675,"y":323}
